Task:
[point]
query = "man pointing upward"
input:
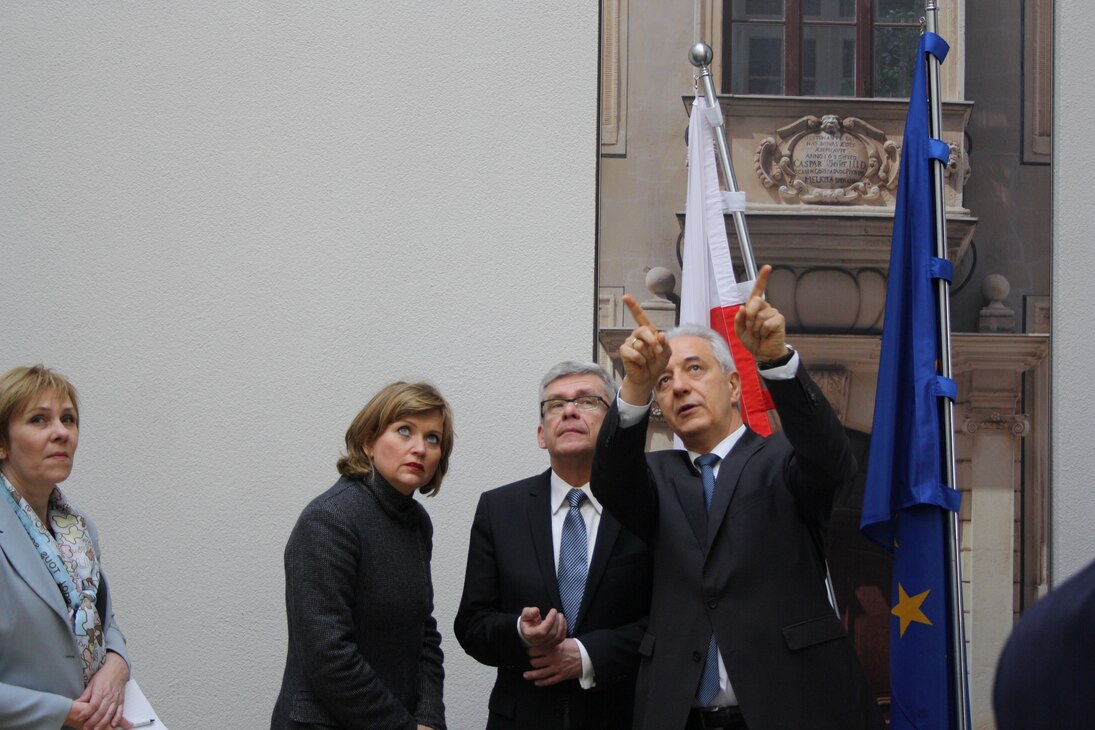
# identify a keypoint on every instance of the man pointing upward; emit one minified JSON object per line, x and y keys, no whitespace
{"x":741,"y":631}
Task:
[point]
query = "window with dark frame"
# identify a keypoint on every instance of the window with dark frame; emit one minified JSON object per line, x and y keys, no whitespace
{"x":863,"y":48}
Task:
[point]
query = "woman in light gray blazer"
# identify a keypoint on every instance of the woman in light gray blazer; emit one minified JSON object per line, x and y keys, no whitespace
{"x":364,"y":650}
{"x":62,"y":658}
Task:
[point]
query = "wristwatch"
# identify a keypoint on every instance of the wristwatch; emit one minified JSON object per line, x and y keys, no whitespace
{"x":779,"y":361}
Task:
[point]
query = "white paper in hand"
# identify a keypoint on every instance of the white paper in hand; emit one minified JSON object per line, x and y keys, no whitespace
{"x":137,"y":709}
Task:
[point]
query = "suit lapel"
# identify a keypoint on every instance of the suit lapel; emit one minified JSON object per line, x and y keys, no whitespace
{"x":16,"y":545}
{"x":607,"y":532}
{"x":729,"y":475}
{"x":689,"y":490}
{"x":539,"y":523}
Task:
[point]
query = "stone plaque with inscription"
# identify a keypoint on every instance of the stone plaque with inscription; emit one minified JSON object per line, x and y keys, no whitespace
{"x":828,"y":160}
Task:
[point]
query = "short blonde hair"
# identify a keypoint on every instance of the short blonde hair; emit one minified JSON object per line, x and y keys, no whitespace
{"x":19,"y":386}
{"x":393,"y":402}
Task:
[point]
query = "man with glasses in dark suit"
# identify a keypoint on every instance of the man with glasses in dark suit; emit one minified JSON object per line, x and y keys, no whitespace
{"x":556,"y":592}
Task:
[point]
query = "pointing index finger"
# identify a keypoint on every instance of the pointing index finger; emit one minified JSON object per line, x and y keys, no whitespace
{"x":637,"y":312}
{"x":761,"y":282}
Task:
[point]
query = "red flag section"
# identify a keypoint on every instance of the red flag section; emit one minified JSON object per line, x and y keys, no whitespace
{"x":755,"y":400}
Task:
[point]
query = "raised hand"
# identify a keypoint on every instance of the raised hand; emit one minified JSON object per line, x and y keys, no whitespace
{"x":759,"y":325}
{"x":645,"y":355}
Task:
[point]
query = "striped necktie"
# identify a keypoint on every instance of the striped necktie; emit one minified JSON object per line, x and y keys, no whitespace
{"x":572,"y":559}
{"x":709,"y":678}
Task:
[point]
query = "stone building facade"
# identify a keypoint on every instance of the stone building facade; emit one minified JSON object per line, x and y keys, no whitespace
{"x":819,"y":173}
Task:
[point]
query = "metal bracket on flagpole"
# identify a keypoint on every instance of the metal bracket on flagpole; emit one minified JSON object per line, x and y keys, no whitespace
{"x":700,"y":56}
{"x":935,"y":131}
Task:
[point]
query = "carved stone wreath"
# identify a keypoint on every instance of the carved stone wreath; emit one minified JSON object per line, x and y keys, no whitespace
{"x":830,"y":160}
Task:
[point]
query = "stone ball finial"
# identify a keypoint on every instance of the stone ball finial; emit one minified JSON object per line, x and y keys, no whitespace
{"x":660,"y":281}
{"x":995,"y":288}
{"x":700,"y":55}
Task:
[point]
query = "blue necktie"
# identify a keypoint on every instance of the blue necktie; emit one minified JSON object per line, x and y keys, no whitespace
{"x":572,"y":559}
{"x":709,"y":679}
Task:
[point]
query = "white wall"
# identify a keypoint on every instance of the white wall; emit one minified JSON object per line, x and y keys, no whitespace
{"x":229,"y":224}
{"x":1073,"y":350}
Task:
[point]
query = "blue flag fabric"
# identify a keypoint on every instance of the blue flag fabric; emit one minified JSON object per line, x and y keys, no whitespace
{"x":906,"y":501}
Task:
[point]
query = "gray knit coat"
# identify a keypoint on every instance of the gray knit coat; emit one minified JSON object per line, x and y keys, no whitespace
{"x":364,"y":650}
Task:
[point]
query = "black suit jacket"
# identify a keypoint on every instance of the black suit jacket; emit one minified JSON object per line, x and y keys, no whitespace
{"x":751,"y":570}
{"x":511,"y":565}
{"x":1047,"y":668}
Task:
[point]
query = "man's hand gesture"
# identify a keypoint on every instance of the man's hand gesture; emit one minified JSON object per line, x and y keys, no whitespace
{"x":645,"y":355}
{"x":759,"y":325}
{"x":542,"y":632}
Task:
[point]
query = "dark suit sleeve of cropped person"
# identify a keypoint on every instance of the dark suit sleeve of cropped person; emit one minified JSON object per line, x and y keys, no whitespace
{"x":1047,"y":668}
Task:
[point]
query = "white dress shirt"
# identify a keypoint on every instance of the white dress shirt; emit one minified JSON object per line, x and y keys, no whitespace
{"x":591,"y":515}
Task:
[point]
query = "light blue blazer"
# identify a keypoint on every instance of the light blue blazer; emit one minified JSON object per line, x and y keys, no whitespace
{"x":40,"y":672}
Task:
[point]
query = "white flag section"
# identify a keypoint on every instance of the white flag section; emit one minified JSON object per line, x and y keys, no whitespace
{"x":707,"y":276}
{"x":710,"y":294}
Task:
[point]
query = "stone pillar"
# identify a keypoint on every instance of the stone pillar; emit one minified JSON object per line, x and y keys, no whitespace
{"x":991,"y":547}
{"x":990,"y":430}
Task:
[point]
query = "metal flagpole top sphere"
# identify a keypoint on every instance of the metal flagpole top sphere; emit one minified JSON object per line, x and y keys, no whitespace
{"x":700,"y":55}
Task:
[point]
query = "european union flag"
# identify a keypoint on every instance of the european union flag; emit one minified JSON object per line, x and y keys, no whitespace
{"x":906,"y":501}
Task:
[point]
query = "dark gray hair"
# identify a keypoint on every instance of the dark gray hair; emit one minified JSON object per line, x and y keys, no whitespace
{"x":573,"y":367}
{"x":719,"y":347}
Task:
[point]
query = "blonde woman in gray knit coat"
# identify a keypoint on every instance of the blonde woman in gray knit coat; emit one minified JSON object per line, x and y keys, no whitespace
{"x":364,"y":650}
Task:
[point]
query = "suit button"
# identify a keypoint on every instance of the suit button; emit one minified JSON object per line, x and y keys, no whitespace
{"x":696,"y":656}
{"x":712,"y":604}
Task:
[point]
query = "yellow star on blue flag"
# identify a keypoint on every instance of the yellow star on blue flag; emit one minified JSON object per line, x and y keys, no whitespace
{"x":908,"y":608}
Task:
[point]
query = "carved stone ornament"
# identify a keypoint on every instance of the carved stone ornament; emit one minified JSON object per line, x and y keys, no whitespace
{"x":830,"y":160}
{"x":1017,"y":424}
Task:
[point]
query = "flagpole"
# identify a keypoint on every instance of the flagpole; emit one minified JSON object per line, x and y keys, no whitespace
{"x":942,"y":290}
{"x":700,"y":56}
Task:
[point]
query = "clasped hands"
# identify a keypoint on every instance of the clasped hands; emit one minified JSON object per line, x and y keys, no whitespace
{"x":102,"y":703}
{"x":553,"y":656}
{"x":645,"y":354}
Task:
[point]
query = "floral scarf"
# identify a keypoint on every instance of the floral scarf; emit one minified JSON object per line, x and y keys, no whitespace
{"x":69,"y":555}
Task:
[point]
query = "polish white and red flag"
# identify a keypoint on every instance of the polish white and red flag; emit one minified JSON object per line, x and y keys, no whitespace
{"x":710,"y":295}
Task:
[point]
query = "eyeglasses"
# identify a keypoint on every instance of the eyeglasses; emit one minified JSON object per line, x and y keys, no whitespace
{"x":555,"y":406}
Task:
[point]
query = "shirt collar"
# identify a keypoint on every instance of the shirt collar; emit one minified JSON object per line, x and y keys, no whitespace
{"x":722,"y":448}
{"x":560,"y":489}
